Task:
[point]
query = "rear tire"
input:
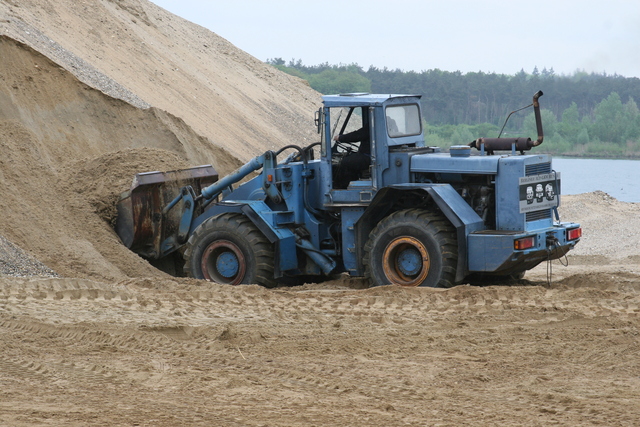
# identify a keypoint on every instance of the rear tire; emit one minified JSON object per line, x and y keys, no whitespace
{"x":412,"y":247}
{"x":230,"y":249}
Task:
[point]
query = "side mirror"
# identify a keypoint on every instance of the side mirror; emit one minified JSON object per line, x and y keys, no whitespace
{"x":318,"y":120}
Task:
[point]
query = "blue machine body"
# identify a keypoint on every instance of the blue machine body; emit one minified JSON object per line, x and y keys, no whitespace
{"x":317,"y":229}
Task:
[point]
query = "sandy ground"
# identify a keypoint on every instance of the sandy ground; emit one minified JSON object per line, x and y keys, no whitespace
{"x":92,"y":92}
{"x":165,"y":352}
{"x":178,"y":352}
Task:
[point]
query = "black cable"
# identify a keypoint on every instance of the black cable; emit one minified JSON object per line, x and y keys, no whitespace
{"x":556,"y":244}
{"x":295,"y":147}
{"x":507,"y":119}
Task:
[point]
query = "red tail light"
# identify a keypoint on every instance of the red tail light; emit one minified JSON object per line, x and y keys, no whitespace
{"x":574,"y":233}
{"x":524,"y":243}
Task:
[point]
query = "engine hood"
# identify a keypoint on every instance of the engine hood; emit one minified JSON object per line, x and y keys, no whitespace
{"x":444,"y":163}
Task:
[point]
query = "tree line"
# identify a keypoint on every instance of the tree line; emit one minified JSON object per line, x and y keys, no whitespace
{"x":586,"y":114}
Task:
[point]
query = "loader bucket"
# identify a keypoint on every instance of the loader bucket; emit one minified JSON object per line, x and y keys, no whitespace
{"x":140,"y":223}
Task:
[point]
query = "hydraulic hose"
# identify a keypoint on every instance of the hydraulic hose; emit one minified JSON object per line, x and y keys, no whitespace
{"x":305,"y":194}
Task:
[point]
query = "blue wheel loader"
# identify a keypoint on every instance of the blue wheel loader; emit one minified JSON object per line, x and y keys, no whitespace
{"x":368,"y":200}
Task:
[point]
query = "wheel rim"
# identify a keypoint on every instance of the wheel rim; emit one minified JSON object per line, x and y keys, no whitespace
{"x":406,"y":261}
{"x":223,"y":262}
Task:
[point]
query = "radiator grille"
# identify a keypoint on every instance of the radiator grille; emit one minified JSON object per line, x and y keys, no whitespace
{"x":537,"y":169}
{"x":538,"y":215}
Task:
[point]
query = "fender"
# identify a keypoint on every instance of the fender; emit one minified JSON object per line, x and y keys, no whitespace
{"x":441,"y":196}
{"x":269,"y":222}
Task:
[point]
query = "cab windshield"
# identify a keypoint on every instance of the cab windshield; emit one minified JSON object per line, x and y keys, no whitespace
{"x":346,"y":120}
{"x":403,"y":120}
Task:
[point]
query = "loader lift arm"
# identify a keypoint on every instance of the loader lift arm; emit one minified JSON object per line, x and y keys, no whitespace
{"x":210,"y":193}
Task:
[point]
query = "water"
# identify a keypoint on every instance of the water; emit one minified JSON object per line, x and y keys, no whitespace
{"x":618,"y":178}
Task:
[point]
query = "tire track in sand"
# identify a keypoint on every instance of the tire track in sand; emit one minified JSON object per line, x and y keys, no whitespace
{"x":210,"y":303}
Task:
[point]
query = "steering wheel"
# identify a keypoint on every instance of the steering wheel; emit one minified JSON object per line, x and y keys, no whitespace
{"x":346,"y":146}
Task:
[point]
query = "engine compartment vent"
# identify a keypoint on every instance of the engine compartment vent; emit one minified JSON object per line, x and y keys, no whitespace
{"x":538,"y":215}
{"x":537,"y":169}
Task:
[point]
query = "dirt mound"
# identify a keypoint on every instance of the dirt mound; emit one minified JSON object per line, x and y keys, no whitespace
{"x":609,"y":226}
{"x":134,"y":50}
{"x":93,"y":92}
{"x":68,"y":151}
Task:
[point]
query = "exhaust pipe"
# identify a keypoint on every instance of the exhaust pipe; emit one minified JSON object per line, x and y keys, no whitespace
{"x":520,"y":144}
{"x":536,"y":111}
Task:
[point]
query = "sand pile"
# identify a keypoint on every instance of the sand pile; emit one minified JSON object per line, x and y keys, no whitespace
{"x":67,"y":151}
{"x":93,"y":92}
{"x":134,"y":50}
{"x":610,"y":226}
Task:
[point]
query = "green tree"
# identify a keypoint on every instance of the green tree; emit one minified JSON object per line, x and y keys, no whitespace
{"x":462,"y":135}
{"x":588,"y":103}
{"x":484,"y":130}
{"x":632,"y":119}
{"x":609,"y":123}
{"x":583,"y":137}
{"x":275,"y":61}
{"x":570,"y":125}
{"x":549,"y":124}
{"x":334,"y":81}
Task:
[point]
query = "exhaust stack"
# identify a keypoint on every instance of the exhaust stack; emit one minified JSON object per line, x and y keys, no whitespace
{"x":536,"y":111}
{"x":520,"y":144}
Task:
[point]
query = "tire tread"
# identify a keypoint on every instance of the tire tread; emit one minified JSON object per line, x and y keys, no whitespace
{"x":239,"y":224}
{"x":435,"y":224}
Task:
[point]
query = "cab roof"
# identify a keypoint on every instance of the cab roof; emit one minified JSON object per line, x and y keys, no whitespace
{"x":361,"y":99}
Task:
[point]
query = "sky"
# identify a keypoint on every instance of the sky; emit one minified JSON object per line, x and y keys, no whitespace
{"x":501,"y":36}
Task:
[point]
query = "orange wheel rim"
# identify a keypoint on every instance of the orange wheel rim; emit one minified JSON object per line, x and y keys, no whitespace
{"x":406,"y":261}
{"x":223,"y":253}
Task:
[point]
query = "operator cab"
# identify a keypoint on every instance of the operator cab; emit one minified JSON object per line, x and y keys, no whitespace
{"x":351,"y":149}
{"x":358,"y":133}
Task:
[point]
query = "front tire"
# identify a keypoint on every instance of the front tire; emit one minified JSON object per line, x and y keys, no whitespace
{"x":230,"y":249}
{"x":412,"y":247}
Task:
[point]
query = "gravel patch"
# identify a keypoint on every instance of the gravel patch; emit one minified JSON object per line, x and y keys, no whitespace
{"x":609,"y":226}
{"x":15,"y":262}
{"x":25,"y":33}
